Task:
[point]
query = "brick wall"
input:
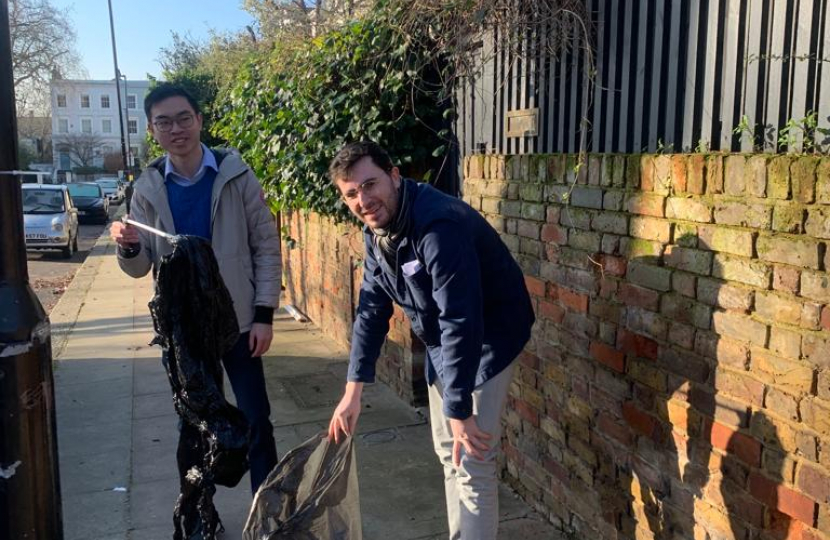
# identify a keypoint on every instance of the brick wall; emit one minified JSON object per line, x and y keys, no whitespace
{"x":323,"y":272}
{"x":678,"y":381}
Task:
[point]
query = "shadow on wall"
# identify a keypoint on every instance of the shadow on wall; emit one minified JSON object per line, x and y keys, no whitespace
{"x":706,"y":451}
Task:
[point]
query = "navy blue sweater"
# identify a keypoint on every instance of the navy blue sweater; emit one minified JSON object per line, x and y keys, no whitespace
{"x":464,"y":294}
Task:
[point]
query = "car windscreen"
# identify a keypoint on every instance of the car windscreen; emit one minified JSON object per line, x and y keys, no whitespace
{"x":107,"y":183}
{"x":42,"y":201}
{"x":84,"y":190}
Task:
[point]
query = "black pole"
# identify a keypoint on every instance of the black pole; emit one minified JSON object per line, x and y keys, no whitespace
{"x":30,"y":504}
{"x":118,"y":90}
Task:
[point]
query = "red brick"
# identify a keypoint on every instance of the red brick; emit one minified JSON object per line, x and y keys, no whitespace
{"x":678,"y":173}
{"x":636,"y":344}
{"x":782,"y":498}
{"x":554,"y":233}
{"x":615,"y":266}
{"x":742,"y":446}
{"x":785,"y":278}
{"x":825,"y":318}
{"x":529,"y":360}
{"x":608,"y":356}
{"x":608,"y":425}
{"x":549,"y":310}
{"x":574,"y":300}
{"x":640,"y":421}
{"x":783,"y":527}
{"x":634,"y":295}
{"x":815,"y":483}
{"x":527,"y":412}
{"x":535,"y":286}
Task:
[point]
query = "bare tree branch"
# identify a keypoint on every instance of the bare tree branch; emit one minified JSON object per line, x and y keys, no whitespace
{"x":82,"y":148}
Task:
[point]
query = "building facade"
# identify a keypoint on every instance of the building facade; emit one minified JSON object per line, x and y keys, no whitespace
{"x":85,"y":122}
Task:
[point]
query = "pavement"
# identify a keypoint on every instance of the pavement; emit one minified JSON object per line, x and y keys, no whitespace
{"x":117,"y":430}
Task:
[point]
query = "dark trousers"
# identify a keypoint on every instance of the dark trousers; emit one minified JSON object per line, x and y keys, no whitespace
{"x":248,"y":383}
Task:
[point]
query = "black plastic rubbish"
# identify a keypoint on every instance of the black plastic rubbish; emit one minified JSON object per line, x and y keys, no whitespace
{"x":196,"y":325}
{"x":312,"y":494}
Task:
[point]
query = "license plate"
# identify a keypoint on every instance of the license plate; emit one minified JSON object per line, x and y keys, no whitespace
{"x":33,"y":236}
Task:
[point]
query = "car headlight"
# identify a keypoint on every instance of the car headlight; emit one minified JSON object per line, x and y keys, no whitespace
{"x":57,"y":226}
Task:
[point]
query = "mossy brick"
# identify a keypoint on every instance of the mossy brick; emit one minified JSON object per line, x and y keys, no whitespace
{"x":594,"y":164}
{"x":795,"y":251}
{"x":689,"y":209}
{"x":734,"y":180}
{"x":576,"y":258}
{"x":606,"y":173}
{"x":538,"y":168}
{"x":696,"y":174}
{"x":576,"y":218}
{"x":511,"y":241}
{"x":684,"y":283}
{"x":634,"y":248}
{"x":531,"y":192}
{"x":511,"y":209}
{"x":686,"y":235}
{"x":778,"y":308}
{"x":582,"y":172}
{"x":788,"y":217}
{"x":695,"y":261}
{"x":557,"y":193}
{"x":584,"y":240}
{"x":757,"y":216}
{"x":755,"y":173}
{"x":714,"y":174}
{"x":530,"y":265}
{"x":725,"y":295}
{"x":613,"y":200}
{"x":610,"y":244}
{"x":818,"y":222}
{"x":490,"y":206}
{"x":803,"y":177}
{"x":586,"y":197}
{"x":632,"y":172}
{"x":678,"y":173}
{"x":528,"y":229}
{"x":534,"y":248}
{"x":685,"y":310}
{"x":823,"y":181}
{"x":649,"y":228}
{"x":533,"y":211}
{"x":496,"y":221}
{"x":618,"y":174}
{"x":646,"y":204}
{"x":642,"y":321}
{"x":662,"y":174}
{"x":610,"y":222}
{"x":726,"y":240}
{"x":511,"y":225}
{"x":649,"y":276}
{"x":778,"y":177}
{"x":739,"y":327}
{"x":747,"y":271}
{"x":556,"y":169}
{"x":513,"y":190}
{"x":815,"y":286}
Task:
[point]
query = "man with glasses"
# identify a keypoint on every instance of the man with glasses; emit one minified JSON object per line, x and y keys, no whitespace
{"x":213,"y":194}
{"x":467,"y":301}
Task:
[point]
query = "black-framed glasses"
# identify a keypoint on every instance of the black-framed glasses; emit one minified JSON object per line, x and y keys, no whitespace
{"x":166,"y":124}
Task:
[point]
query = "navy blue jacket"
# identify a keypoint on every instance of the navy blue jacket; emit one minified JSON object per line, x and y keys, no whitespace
{"x":462,"y":290}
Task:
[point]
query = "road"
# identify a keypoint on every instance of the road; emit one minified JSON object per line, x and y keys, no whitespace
{"x":50,"y":274}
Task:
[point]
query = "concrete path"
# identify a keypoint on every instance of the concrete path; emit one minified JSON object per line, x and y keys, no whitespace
{"x":117,"y":431}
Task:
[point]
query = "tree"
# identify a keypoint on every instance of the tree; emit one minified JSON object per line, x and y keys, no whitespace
{"x":82,"y":148}
{"x":43,"y":48}
{"x":279,"y":19}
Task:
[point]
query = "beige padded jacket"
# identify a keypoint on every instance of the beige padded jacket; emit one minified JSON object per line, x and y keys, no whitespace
{"x":245,"y":237}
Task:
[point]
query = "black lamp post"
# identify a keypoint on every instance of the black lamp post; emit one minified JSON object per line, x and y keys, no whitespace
{"x":30,"y":504}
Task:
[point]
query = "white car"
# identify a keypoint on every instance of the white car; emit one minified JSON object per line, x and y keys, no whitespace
{"x":50,"y":219}
{"x":113,"y":189}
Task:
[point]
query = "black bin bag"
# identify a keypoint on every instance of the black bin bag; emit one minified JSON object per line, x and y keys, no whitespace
{"x":196,"y":325}
{"x":312,"y":494}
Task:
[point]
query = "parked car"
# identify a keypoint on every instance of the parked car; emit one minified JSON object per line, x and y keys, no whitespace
{"x":50,"y":219}
{"x":90,"y":200}
{"x":113,"y":188}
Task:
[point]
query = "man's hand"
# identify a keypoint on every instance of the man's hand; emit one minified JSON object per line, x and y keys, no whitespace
{"x":345,"y":415}
{"x":124,"y":234}
{"x":260,"y":338}
{"x":466,"y":433}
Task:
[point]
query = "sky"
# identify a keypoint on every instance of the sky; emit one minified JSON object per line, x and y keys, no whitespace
{"x":142,"y":28}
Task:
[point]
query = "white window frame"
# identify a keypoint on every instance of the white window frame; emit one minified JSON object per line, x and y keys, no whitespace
{"x":59,"y":125}
{"x":59,"y":98}
{"x":90,"y":125}
{"x":134,"y":99}
{"x":103,"y":97}
{"x":88,"y":101}
{"x":104,"y":123}
{"x":132,"y":126}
